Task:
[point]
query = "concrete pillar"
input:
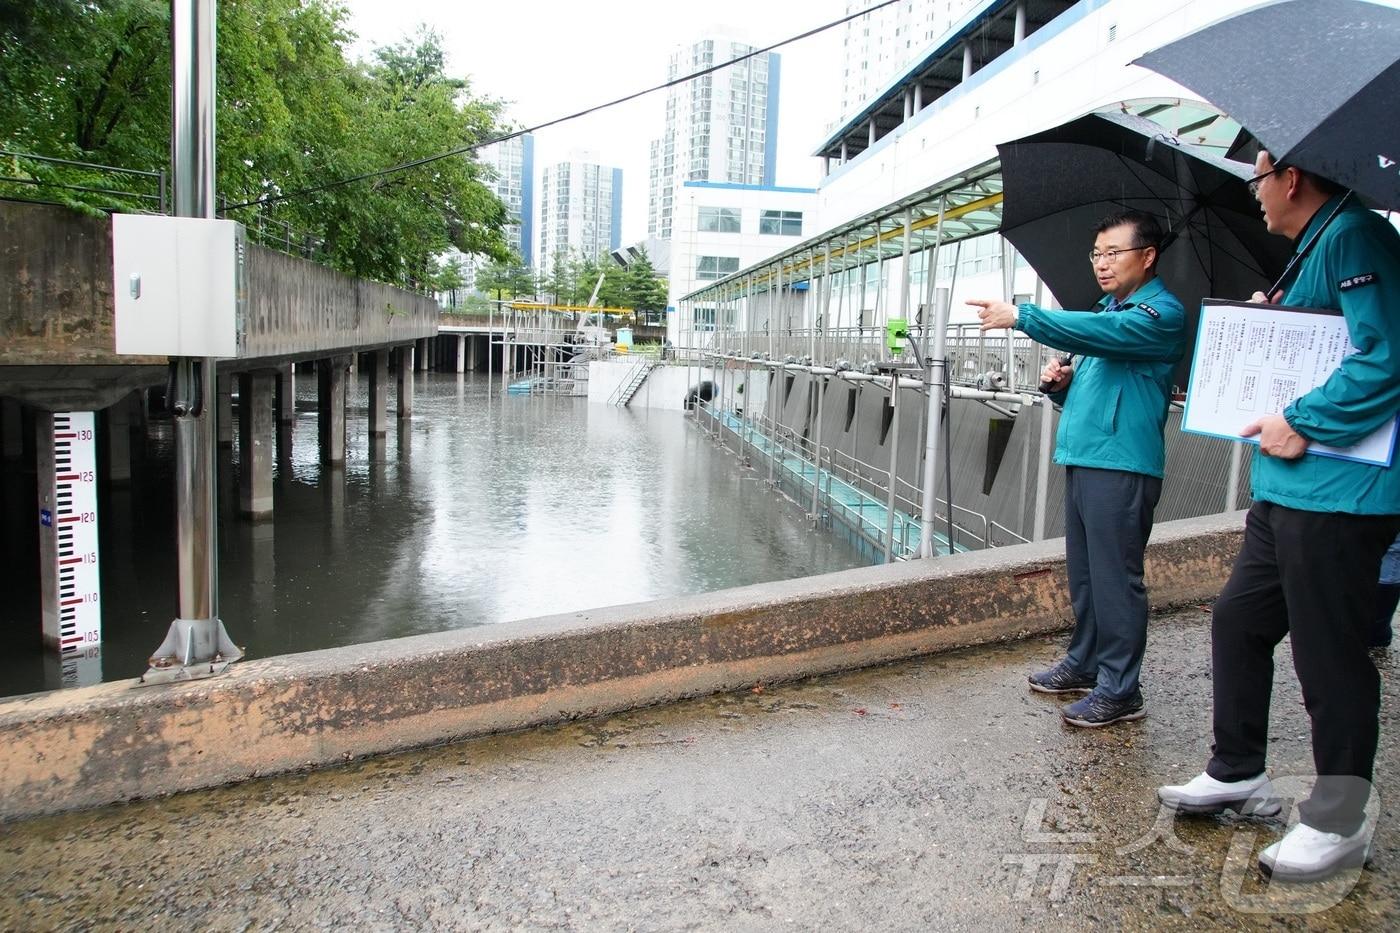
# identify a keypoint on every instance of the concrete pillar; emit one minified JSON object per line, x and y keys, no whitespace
{"x":845,"y":155}
{"x":117,"y":421}
{"x":354,"y":363}
{"x":473,"y":353}
{"x":287,"y":393}
{"x":225,"y":419}
{"x":403,"y":363}
{"x":870,"y":132}
{"x":908,"y":104}
{"x":11,"y":429}
{"x":330,"y":408}
{"x":918,"y":97}
{"x":967,"y":61}
{"x":378,"y":392}
{"x":420,"y":354}
{"x":461,"y":353}
{"x":1020,"y":34}
{"x":256,"y":420}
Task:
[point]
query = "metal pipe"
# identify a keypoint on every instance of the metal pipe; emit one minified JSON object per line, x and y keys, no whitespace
{"x":1232,"y":482}
{"x":1042,"y":469}
{"x":894,"y":469}
{"x":935,"y":365}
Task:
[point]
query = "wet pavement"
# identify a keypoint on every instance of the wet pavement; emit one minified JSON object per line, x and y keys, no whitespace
{"x":931,"y":794}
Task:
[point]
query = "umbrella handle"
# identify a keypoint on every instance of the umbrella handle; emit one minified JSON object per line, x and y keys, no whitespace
{"x":1064,"y":361}
{"x":1307,"y":248}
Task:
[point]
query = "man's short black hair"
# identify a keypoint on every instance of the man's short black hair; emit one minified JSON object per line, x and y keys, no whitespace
{"x":1321,"y":182}
{"x":1146,"y":230}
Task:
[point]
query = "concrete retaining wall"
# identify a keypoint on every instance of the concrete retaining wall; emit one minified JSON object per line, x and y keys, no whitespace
{"x":114,"y":742}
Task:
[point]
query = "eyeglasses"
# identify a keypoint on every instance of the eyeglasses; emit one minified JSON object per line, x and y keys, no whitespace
{"x":1258,"y":180}
{"x":1111,"y":255}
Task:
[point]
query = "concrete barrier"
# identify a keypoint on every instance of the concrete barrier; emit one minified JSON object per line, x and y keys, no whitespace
{"x":113,"y":742}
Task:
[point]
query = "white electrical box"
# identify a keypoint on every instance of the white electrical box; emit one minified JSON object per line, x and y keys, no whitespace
{"x":179,"y":285}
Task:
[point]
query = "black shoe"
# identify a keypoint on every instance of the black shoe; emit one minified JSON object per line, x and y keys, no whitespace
{"x":1061,"y":679}
{"x":1098,"y":710}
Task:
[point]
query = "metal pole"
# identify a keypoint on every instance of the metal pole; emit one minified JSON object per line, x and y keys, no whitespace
{"x":905,"y":270}
{"x":935,"y":365}
{"x":1232,"y":482}
{"x":894,"y":465}
{"x":197,"y":644}
{"x":818,"y":386}
{"x":1042,"y":469}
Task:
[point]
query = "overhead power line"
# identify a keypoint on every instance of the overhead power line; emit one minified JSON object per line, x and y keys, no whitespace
{"x":461,"y":150}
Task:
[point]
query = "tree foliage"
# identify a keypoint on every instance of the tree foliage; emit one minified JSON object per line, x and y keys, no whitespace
{"x":89,"y":80}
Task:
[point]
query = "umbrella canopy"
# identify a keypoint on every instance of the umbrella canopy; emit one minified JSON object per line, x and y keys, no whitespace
{"x":1059,"y":183}
{"x":1315,"y":80}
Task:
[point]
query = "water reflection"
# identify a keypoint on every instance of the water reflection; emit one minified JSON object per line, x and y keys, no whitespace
{"x":479,"y":510}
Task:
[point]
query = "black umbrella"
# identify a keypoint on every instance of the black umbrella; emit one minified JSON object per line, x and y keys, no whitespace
{"x":1058,"y":183}
{"x":1316,"y":81}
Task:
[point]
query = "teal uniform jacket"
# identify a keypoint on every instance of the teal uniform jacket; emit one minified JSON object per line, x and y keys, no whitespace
{"x":1116,"y":406}
{"x":1354,"y":267}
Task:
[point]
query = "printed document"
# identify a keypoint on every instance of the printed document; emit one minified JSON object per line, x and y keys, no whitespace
{"x":1253,"y":360}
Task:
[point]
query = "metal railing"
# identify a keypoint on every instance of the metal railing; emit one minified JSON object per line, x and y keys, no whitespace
{"x":120,"y":189}
{"x":1006,"y":361}
{"x":901,"y":527}
{"x":151,"y":195}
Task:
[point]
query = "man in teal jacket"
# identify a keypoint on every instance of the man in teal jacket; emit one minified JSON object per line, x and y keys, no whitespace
{"x":1110,"y":442}
{"x":1313,"y":543}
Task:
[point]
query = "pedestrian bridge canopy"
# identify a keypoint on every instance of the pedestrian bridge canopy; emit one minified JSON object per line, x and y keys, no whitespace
{"x":829,"y":298}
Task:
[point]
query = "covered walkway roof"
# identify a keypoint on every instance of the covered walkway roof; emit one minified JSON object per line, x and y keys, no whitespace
{"x":987,"y":31}
{"x":968,"y":203}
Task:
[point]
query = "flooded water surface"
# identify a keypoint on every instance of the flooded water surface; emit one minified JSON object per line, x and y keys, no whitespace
{"x":481,"y":509}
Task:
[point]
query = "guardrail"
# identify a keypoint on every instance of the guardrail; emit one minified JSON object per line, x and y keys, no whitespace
{"x":113,"y":189}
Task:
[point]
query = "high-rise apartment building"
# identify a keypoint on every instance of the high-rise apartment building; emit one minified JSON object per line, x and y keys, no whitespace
{"x":721,"y":127}
{"x":514,"y":164}
{"x":879,"y":45}
{"x":580,"y":209}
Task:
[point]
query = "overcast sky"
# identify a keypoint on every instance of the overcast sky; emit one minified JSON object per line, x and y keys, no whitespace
{"x":549,"y":58}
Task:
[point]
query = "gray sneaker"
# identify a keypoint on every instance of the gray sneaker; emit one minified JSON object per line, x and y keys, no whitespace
{"x":1061,"y":679}
{"x":1097,"y":710}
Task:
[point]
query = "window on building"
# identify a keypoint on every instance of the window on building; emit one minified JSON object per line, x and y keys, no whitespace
{"x":780,"y":223}
{"x":716,"y":267}
{"x":719,"y":220}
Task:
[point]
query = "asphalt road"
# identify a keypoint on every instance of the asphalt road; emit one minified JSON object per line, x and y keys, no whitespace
{"x":928,"y":795}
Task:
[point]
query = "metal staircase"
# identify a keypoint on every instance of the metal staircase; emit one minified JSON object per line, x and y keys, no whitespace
{"x":629,"y":386}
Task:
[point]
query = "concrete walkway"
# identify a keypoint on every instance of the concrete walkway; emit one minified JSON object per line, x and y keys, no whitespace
{"x":908,"y":797}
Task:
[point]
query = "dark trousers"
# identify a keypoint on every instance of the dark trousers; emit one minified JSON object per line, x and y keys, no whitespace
{"x":1108,"y":517}
{"x":1310,"y":576}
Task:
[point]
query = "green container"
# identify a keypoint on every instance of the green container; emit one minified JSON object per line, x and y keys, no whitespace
{"x":896,"y":332}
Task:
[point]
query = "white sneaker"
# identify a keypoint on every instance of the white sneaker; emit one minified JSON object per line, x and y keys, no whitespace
{"x":1203,"y":794}
{"x":1308,"y":854}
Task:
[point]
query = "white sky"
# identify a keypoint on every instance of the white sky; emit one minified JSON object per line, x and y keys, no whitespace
{"x":549,"y":58}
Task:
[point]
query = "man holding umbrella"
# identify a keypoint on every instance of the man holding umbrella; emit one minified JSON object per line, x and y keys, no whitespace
{"x":1313,"y":542}
{"x":1110,"y":440}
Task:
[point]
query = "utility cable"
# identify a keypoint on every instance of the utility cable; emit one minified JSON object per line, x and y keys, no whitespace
{"x":461,"y":150}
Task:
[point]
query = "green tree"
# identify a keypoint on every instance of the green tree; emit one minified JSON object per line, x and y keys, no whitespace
{"x":506,"y":278}
{"x":645,"y":290}
{"x":90,"y":80}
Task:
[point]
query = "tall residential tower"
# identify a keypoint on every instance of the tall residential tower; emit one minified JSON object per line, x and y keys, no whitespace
{"x":721,"y":127}
{"x":580,"y":209}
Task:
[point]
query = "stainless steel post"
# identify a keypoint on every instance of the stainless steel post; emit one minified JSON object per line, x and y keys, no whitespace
{"x":1042,"y":469}
{"x":197,"y":644}
{"x":1232,"y":482}
{"x":894,"y":465}
{"x":904,"y":275}
{"x":935,"y":366}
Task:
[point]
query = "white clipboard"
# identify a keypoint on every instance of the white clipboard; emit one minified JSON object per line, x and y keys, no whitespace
{"x":1253,"y":360}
